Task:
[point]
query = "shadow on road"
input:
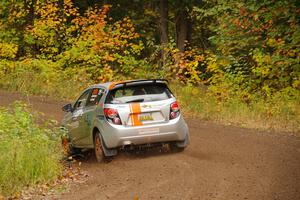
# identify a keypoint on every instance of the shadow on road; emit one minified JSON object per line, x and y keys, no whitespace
{"x":89,"y":156}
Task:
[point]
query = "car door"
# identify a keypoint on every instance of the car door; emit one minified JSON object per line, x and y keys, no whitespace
{"x":75,"y":122}
{"x":89,"y":115}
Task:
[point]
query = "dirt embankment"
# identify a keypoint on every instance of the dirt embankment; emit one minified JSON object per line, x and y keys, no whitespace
{"x":222,"y":162}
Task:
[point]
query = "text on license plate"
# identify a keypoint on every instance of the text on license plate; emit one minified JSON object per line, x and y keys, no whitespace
{"x":146,"y":117}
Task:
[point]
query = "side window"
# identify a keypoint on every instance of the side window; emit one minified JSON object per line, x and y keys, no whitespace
{"x":81,"y":102}
{"x":95,"y":97}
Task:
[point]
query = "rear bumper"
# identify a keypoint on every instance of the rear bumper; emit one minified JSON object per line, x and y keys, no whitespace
{"x":117,"y":136}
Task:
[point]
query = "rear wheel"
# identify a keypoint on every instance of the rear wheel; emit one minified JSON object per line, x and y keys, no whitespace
{"x":98,"y":148}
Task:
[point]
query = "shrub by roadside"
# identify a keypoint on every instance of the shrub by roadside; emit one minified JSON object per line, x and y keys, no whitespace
{"x":29,"y":153}
{"x":42,"y":77}
{"x":281,"y":112}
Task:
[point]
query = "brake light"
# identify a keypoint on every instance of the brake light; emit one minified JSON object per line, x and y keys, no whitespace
{"x":174,"y":110}
{"x":112,"y":115}
{"x":175,"y":106}
{"x":110,"y":112}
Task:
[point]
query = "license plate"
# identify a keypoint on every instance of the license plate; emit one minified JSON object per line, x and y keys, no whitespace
{"x":145,"y":117}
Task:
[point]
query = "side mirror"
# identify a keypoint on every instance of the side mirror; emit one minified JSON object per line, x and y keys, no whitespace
{"x":67,"y":108}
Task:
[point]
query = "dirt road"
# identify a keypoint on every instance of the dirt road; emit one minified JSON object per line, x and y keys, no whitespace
{"x":222,"y":162}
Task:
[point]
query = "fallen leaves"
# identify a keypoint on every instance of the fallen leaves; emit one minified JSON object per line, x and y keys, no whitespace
{"x":72,"y":174}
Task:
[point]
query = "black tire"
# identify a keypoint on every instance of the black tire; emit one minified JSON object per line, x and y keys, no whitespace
{"x":99,"y":154}
{"x":67,"y":146}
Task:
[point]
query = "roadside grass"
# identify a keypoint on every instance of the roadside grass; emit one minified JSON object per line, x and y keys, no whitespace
{"x":42,"y":77}
{"x":277,"y":113}
{"x":29,"y":153}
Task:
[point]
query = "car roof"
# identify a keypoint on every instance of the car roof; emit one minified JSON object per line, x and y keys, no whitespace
{"x":103,"y":85}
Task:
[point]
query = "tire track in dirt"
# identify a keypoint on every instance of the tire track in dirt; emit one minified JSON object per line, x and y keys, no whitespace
{"x":222,"y":162}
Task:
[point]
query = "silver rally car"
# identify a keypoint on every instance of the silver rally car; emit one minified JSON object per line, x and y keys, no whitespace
{"x":110,"y":116}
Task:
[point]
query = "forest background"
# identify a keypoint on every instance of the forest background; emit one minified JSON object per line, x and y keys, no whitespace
{"x":230,"y":61}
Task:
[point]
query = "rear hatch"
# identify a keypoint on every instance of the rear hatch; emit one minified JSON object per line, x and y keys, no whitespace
{"x":141,"y":103}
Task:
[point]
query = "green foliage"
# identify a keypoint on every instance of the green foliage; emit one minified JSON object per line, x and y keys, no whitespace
{"x":29,"y":153}
{"x":42,"y":77}
{"x":184,"y":67}
{"x":257,"y":46}
{"x":8,"y":50}
{"x":246,"y":53}
{"x":280,"y":113}
{"x":59,"y":33}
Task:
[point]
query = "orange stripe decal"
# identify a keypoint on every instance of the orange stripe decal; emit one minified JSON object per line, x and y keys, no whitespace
{"x":135,"y":109}
{"x":131,"y":114}
{"x":112,"y":85}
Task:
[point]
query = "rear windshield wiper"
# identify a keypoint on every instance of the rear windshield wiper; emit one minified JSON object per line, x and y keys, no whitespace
{"x":135,"y":100}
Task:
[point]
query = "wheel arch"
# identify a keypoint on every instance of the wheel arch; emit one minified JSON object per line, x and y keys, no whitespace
{"x":95,"y":131}
{"x":107,"y":152}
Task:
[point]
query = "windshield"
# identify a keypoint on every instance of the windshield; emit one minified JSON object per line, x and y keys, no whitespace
{"x":139,"y":93}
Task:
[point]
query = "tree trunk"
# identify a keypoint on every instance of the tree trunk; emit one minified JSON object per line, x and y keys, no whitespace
{"x":60,"y":32}
{"x":182,"y":29}
{"x":163,"y":27}
{"x":163,"y":11}
{"x":30,"y":11}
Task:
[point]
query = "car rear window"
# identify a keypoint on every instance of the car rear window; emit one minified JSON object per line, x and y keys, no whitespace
{"x":138,"y":93}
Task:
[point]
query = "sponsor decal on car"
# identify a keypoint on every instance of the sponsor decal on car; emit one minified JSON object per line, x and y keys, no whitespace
{"x":146,"y":106}
{"x":135,"y":110}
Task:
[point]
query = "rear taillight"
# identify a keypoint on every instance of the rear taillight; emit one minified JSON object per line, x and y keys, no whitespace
{"x":174,"y":110}
{"x":112,"y":115}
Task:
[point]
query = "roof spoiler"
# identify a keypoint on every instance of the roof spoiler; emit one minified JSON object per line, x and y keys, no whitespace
{"x":124,"y":83}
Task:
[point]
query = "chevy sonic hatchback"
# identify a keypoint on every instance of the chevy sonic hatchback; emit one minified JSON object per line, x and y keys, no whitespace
{"x":110,"y":116}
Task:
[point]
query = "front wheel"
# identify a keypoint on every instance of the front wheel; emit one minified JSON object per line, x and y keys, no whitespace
{"x":68,"y":148}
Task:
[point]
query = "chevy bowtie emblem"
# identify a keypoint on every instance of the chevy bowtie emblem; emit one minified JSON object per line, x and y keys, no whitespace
{"x":146,"y":106}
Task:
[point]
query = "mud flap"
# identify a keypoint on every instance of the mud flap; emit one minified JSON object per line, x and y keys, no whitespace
{"x":108,"y":152}
{"x":184,"y":143}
